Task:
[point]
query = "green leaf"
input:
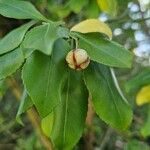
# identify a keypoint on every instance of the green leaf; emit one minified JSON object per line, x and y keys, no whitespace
{"x":43,"y":37}
{"x":75,"y":6}
{"x":25,"y":104}
{"x":92,"y":9}
{"x":14,"y":38}
{"x":108,"y":103}
{"x":136,"y":145}
{"x":103,"y":50}
{"x":141,"y":79}
{"x":70,"y":115}
{"x":19,"y":10}
{"x":43,"y":83}
{"x":145,"y":130}
{"x":10,"y":62}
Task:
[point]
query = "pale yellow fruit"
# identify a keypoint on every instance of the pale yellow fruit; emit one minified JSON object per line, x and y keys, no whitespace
{"x":78,"y":59}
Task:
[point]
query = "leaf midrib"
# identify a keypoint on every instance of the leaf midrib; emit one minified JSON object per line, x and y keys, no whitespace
{"x":88,"y":42}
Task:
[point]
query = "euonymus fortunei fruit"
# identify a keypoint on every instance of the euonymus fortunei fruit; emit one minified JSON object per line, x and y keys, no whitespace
{"x":78,"y":59}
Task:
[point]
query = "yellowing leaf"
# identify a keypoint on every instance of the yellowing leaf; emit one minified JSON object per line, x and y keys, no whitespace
{"x":108,"y":6}
{"x":143,"y":96}
{"x":92,"y":25}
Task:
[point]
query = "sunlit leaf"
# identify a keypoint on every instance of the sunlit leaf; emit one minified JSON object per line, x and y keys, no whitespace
{"x":92,"y":25}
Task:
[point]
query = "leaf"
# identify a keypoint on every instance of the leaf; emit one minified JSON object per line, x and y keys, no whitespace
{"x":92,"y":25}
{"x":43,"y":37}
{"x":25,"y":104}
{"x":108,"y":6}
{"x":10,"y":62}
{"x":77,"y":7}
{"x":43,"y":83}
{"x":107,"y":101}
{"x":70,"y":115}
{"x":14,"y":38}
{"x":104,"y":51}
{"x":134,"y":144}
{"x":47,"y":124}
{"x":145,"y":130}
{"x":141,"y":79}
{"x":143,"y":96}
{"x":19,"y":10}
{"x":92,"y":10}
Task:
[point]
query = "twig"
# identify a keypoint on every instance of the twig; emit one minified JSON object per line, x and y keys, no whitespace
{"x":32,"y":114}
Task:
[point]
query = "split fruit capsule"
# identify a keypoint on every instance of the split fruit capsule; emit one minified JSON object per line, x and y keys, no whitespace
{"x":78,"y":59}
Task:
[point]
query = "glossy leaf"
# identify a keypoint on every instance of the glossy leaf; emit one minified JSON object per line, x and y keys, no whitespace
{"x":92,"y":25}
{"x":43,"y":37}
{"x":14,"y":38}
{"x":43,"y":83}
{"x":104,"y":51}
{"x":25,"y":104}
{"x":70,"y":115}
{"x":10,"y":62}
{"x":143,"y":96}
{"x":141,"y":79}
{"x":108,"y":6}
{"x":108,"y":103}
{"x":19,"y":10}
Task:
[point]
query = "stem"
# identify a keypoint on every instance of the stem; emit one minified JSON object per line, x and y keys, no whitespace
{"x":32,"y":114}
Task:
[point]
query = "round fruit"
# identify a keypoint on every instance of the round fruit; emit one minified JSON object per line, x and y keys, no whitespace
{"x":78,"y":59}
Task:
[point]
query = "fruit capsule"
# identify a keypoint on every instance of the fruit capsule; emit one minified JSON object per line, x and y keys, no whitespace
{"x":78,"y":59}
